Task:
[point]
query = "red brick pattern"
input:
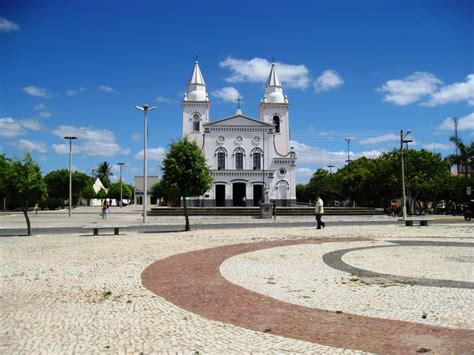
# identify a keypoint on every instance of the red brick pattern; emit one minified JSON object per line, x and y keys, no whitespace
{"x":192,"y":281}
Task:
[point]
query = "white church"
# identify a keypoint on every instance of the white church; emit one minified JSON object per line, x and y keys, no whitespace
{"x":250,"y":159}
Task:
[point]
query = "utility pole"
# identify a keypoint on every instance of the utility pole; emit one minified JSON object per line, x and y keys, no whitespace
{"x":121,"y":198}
{"x":455,"y":121}
{"x":404,"y":140}
{"x":348,"y":140}
{"x":70,"y":138}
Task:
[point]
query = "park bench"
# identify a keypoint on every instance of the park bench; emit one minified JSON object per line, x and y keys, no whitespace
{"x":96,"y":227}
{"x":422,"y":221}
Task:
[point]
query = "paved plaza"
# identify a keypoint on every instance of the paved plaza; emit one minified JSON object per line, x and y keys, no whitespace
{"x":380,"y":288}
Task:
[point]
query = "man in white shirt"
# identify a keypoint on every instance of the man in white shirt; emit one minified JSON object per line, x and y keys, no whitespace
{"x":319,"y":210}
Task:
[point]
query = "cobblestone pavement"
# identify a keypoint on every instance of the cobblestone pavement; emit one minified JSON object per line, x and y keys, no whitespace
{"x":82,"y":294}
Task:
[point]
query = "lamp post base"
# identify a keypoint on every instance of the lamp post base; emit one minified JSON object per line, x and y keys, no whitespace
{"x":266,"y":210}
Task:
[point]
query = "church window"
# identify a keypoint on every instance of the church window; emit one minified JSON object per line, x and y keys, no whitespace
{"x":220,"y":161}
{"x":239,"y":160}
{"x":276,"y":123}
{"x":196,"y":122}
{"x":256,"y":161}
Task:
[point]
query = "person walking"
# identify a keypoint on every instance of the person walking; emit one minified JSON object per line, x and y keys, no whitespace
{"x":105,"y":207}
{"x":319,"y":210}
{"x":393,"y":208}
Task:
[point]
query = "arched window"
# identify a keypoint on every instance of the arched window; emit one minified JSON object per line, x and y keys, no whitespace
{"x":239,"y":160}
{"x":276,"y":123}
{"x":196,"y":122}
{"x":256,"y":161}
{"x":221,"y":153}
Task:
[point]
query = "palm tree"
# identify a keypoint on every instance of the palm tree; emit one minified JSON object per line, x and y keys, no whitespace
{"x":103,"y":171}
{"x":465,"y":157}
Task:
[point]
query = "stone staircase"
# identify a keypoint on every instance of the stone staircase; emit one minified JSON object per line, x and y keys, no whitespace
{"x":255,"y":211}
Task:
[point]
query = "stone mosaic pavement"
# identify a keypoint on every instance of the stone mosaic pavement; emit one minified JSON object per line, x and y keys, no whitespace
{"x":82,"y":294}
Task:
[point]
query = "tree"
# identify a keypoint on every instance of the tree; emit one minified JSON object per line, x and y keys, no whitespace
{"x":25,"y":185}
{"x":158,"y":191}
{"x":185,"y":172}
{"x":4,"y":164}
{"x":57,"y":183}
{"x":114,"y":191}
{"x":103,"y":172}
{"x":465,"y":156}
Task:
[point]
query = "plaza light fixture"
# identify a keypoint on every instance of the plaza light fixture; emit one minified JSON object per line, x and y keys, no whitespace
{"x":121,"y":198}
{"x":330,"y":168}
{"x":406,"y":141}
{"x":348,"y":161}
{"x":70,"y":138}
{"x":145,"y":109}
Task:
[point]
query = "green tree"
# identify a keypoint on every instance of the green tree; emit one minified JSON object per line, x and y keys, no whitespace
{"x":325,"y":184}
{"x":158,"y":191}
{"x":25,"y":185}
{"x":101,"y":194}
{"x":185,"y":172}
{"x":57,"y":183}
{"x":114,"y":191}
{"x":4,"y":164}
{"x":103,"y":172}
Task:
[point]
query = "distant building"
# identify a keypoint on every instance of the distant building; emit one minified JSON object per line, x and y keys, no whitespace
{"x":138,"y":189}
{"x":248,"y":157}
{"x":98,"y":186}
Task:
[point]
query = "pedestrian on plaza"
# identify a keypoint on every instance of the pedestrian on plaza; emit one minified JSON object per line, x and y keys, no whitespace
{"x":274,"y":210}
{"x":105,"y":207}
{"x":393,"y":208}
{"x":319,"y":210}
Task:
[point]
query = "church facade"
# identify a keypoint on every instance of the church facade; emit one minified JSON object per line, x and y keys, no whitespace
{"x":250,"y":159}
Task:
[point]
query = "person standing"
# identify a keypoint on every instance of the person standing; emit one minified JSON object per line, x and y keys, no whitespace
{"x":319,"y":210}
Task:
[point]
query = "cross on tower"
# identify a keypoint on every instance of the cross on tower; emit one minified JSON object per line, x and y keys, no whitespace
{"x":197,"y":59}
{"x":238,"y":102}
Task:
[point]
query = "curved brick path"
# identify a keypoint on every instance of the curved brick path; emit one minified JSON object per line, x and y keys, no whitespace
{"x":192,"y":281}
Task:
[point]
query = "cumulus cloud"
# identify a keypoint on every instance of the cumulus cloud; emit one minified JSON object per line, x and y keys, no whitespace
{"x":227,"y":94}
{"x":91,"y":141}
{"x":328,"y":80}
{"x":10,"y":127}
{"x":307,"y":154}
{"x":74,"y":92}
{"x":437,"y":146}
{"x":40,"y":107}
{"x":156,"y":154}
{"x":162,"y":99}
{"x":304,"y":172}
{"x":38,"y":92}
{"x":465,"y":123}
{"x":256,"y":70}
{"x":31,"y":145}
{"x":390,"y":137}
{"x":456,"y":92}
{"x":411,"y":89}
{"x":107,"y":88}
{"x":8,"y":26}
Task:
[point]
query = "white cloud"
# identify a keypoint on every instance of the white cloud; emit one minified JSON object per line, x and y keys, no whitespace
{"x":38,"y":92}
{"x":437,"y":146}
{"x":390,"y":137}
{"x":40,"y":107}
{"x":411,"y":89}
{"x":465,"y":123}
{"x":91,"y":142}
{"x":454,"y":93}
{"x":74,"y":92}
{"x":8,"y":26}
{"x":10,"y":127}
{"x":44,"y":114}
{"x":156,"y":154}
{"x":162,"y":99}
{"x":329,"y":79}
{"x":136,"y":137}
{"x":106,"y":88}
{"x":227,"y":94}
{"x":256,"y":70}
{"x":304,"y":172}
{"x":32,"y":146}
{"x":307,"y":154}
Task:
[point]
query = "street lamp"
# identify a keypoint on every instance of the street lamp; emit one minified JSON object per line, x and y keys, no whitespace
{"x":121,"y":199}
{"x":330,"y":168}
{"x":145,"y":109}
{"x":348,"y":140}
{"x":71,"y":138}
{"x":406,"y":141}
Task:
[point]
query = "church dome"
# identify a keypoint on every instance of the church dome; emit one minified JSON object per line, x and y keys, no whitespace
{"x":275,"y":97}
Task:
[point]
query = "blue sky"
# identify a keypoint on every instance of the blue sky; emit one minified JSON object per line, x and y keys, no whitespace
{"x":358,"y":69}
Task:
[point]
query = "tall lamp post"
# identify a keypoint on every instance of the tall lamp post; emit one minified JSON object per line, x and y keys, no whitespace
{"x":70,"y":138}
{"x":330,"y":168}
{"x":121,"y":198}
{"x":145,"y":109}
{"x":406,"y":141}
{"x":348,"y":140}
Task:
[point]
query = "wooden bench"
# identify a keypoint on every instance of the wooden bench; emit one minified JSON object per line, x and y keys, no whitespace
{"x":96,"y":228}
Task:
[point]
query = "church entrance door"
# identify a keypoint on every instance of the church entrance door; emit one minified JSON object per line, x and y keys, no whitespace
{"x":257,"y":194}
{"x":238,"y":194}
{"x":220,"y":195}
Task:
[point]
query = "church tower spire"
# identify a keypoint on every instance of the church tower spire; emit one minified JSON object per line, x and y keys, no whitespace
{"x":196,"y":89}
{"x":273,"y":87}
